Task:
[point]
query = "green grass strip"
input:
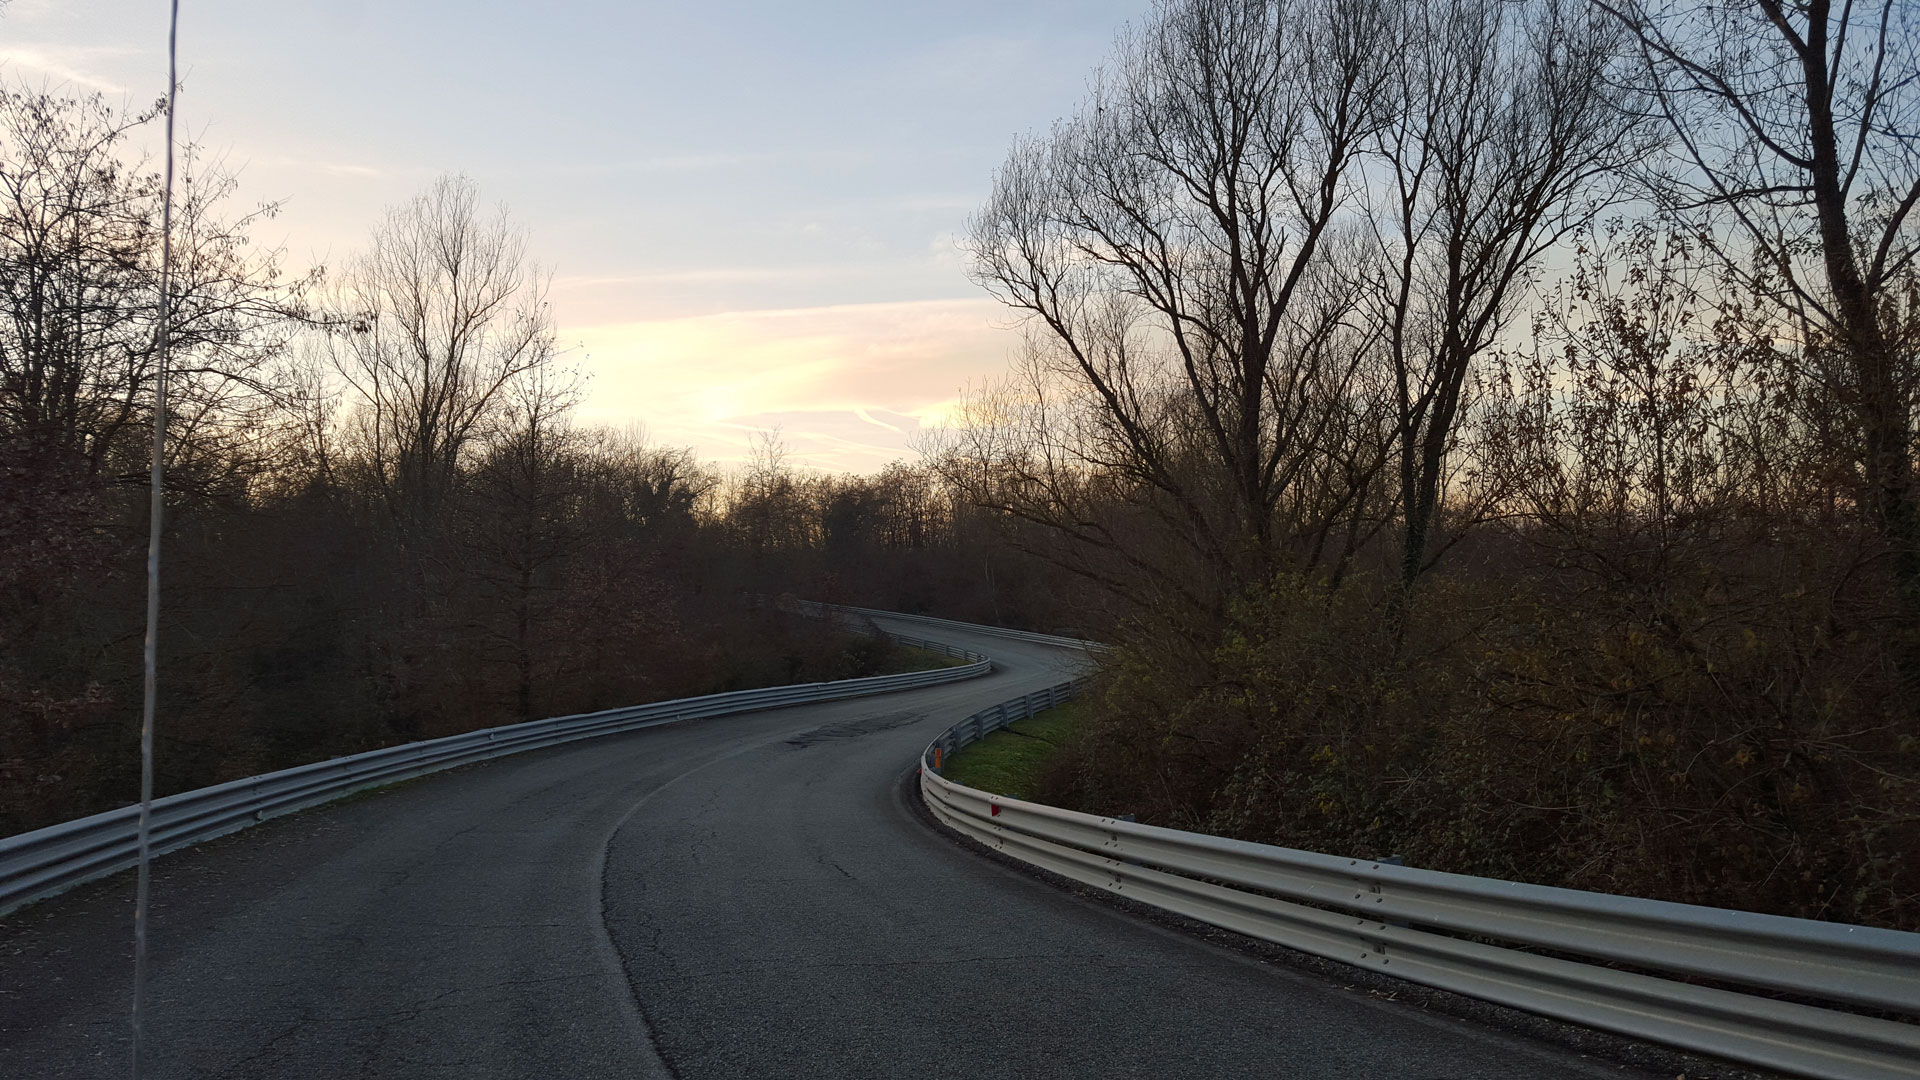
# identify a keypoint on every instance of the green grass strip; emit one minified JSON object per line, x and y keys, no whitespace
{"x":1010,"y":761}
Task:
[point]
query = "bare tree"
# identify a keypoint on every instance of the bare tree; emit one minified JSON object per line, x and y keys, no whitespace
{"x":654,"y":493}
{"x":79,"y":277}
{"x":1649,"y":416}
{"x":1798,"y":133}
{"x":436,"y":322}
{"x":79,"y":271}
{"x":1170,"y":249}
{"x":1505,"y":136}
{"x":524,"y":519}
{"x":769,"y":507}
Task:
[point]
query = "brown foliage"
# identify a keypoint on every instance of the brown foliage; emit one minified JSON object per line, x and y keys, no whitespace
{"x":1736,"y":740}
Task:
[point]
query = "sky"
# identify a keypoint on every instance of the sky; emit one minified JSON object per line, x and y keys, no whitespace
{"x":750,"y":209}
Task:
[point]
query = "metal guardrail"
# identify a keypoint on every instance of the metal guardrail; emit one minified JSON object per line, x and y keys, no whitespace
{"x":979,"y":628}
{"x":815,"y":609}
{"x":1677,"y":974}
{"x":38,"y":864}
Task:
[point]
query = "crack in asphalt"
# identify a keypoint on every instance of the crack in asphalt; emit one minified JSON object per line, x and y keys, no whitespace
{"x":790,"y":964}
{"x":383,"y":1022}
{"x":267,"y":1049}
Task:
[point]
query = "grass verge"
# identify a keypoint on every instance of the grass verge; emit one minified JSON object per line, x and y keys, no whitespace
{"x":1010,"y":761}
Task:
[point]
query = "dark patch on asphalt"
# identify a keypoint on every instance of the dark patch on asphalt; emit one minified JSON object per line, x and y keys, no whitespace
{"x":854,"y":729}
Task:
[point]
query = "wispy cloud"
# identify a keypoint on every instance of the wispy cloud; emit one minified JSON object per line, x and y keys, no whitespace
{"x":328,"y":168}
{"x":715,"y":275}
{"x":700,"y":161}
{"x":659,"y":163}
{"x":868,"y":417}
{"x":76,"y":65}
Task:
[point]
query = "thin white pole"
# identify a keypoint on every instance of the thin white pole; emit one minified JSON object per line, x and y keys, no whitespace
{"x":157,"y":504}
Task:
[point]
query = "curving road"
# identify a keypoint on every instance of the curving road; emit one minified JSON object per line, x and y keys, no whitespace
{"x":746,"y":896}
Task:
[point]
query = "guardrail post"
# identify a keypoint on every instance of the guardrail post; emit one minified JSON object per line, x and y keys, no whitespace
{"x":1366,"y":889}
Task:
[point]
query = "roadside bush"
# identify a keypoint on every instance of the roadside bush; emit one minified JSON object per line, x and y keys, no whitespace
{"x":1735,"y":737}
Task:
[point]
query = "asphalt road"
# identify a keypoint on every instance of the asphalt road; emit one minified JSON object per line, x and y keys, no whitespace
{"x":746,"y":896}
